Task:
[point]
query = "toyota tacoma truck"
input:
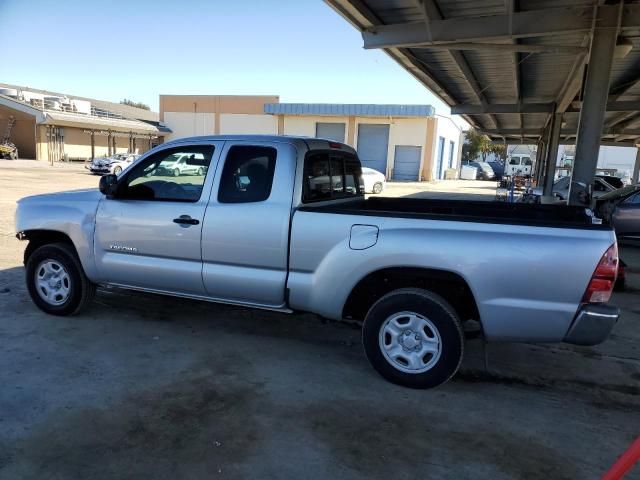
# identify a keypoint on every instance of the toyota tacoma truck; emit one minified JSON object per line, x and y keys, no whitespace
{"x":281,"y":223}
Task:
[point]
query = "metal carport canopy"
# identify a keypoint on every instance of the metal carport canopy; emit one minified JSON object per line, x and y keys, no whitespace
{"x":517,"y":70}
{"x":506,"y":66}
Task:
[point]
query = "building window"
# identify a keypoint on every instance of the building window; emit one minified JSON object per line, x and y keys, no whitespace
{"x":439,"y":172}
{"x":452,"y":149}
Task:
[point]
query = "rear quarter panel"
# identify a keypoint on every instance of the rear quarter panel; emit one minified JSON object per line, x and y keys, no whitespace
{"x":527,"y":281}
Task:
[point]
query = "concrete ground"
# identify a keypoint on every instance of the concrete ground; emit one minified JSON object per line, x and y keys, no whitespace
{"x":142,"y":386}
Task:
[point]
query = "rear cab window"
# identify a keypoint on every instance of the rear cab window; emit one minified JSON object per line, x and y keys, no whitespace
{"x":331,"y":176}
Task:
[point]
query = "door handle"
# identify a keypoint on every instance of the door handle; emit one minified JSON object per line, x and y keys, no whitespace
{"x":186,"y":220}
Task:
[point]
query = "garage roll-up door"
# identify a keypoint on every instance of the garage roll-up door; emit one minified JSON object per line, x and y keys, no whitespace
{"x":373,"y":142}
{"x":330,"y":131}
{"x":406,"y":163}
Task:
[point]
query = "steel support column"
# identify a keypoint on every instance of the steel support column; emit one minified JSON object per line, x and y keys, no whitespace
{"x":594,"y":104}
{"x":552,"y":153}
{"x":636,"y":168}
{"x":539,"y":160}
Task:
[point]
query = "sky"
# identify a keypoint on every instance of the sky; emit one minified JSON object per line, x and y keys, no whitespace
{"x":301,"y":50}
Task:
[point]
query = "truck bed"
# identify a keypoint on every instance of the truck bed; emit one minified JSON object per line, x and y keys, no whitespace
{"x":558,"y":216}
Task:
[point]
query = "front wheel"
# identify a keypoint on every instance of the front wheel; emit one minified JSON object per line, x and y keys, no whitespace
{"x":176,"y":172}
{"x":377,"y":188}
{"x":56,"y":282}
{"x":413,"y":338}
{"x":117,"y":170}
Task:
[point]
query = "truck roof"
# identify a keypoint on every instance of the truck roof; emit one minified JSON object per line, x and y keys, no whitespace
{"x":310,"y":142}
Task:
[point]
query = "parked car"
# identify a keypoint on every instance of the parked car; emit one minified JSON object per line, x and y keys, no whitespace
{"x":561,"y":188}
{"x":256,"y":231}
{"x":615,"y":182}
{"x":498,"y":169}
{"x":621,"y":210}
{"x":519,"y":165}
{"x":114,"y":164}
{"x":483,"y":170}
{"x":183,"y":164}
{"x":374,"y":181}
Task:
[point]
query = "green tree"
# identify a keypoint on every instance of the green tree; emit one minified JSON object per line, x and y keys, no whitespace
{"x":131,"y":103}
{"x":500,"y":151}
{"x":475,"y":144}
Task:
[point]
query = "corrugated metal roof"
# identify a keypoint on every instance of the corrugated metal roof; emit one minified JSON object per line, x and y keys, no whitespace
{"x":53,"y":117}
{"x":476,"y":76}
{"x":126,"y":111}
{"x":349,"y":109}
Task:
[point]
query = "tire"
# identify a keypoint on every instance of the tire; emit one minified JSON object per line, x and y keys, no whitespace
{"x":377,"y":188}
{"x":117,"y":170}
{"x":80,"y":291}
{"x":426,"y":323}
{"x":200,"y":172}
{"x":176,"y":172}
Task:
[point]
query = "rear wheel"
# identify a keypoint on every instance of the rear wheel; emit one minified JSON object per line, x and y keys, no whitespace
{"x":117,"y":170}
{"x":377,"y":188}
{"x":176,"y":172}
{"x":200,"y":172}
{"x":413,"y":337}
{"x":56,"y":282}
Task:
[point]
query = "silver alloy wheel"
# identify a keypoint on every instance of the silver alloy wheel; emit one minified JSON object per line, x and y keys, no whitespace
{"x":117,"y":170}
{"x":53,"y":282}
{"x":377,"y":188}
{"x":410,"y":342}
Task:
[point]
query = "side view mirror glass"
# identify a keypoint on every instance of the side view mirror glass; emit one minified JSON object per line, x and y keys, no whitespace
{"x":108,"y":184}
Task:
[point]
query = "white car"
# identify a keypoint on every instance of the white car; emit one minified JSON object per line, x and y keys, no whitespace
{"x":114,"y":164}
{"x":374,"y":181}
{"x":183,"y":164}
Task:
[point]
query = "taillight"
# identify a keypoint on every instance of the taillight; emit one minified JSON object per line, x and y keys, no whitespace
{"x":335,"y":145}
{"x":604,"y":278}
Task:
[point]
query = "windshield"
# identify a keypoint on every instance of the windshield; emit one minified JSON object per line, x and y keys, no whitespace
{"x":514,"y":161}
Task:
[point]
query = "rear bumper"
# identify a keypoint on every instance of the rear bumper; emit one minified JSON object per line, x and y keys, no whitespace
{"x":592,"y":324}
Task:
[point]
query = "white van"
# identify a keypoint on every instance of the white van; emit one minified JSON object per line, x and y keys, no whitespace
{"x":519,"y":164}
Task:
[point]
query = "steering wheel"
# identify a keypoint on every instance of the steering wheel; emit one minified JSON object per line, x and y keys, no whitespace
{"x":171,"y":190}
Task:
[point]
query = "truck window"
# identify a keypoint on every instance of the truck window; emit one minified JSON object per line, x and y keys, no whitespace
{"x":514,"y":161}
{"x":158,"y":178}
{"x":247,"y":175}
{"x":329,"y":176}
{"x":526,"y":161}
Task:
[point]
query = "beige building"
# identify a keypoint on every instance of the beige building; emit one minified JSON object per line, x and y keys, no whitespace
{"x":406,"y":142}
{"x":51,"y":126}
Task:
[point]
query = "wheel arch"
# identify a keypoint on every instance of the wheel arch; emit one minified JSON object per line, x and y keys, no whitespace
{"x":449,"y":285}
{"x":37,"y":238}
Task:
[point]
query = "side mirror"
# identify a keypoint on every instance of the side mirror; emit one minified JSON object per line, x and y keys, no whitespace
{"x":108,"y":184}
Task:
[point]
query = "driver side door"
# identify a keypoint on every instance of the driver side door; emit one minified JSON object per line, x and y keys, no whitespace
{"x":148,"y":234}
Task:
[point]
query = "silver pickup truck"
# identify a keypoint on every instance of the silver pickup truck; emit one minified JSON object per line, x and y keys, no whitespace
{"x":281,"y":223}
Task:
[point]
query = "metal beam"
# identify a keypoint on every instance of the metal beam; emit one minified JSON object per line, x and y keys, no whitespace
{"x":430,"y":11}
{"x":591,"y":123}
{"x":532,"y":23}
{"x":617,"y":92}
{"x":612,"y":106}
{"x":636,"y":168}
{"x":552,"y":153}
{"x":535,"y":132}
{"x":467,"y":109}
{"x":573,"y":82}
{"x":512,"y":6}
{"x":504,"y":47}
